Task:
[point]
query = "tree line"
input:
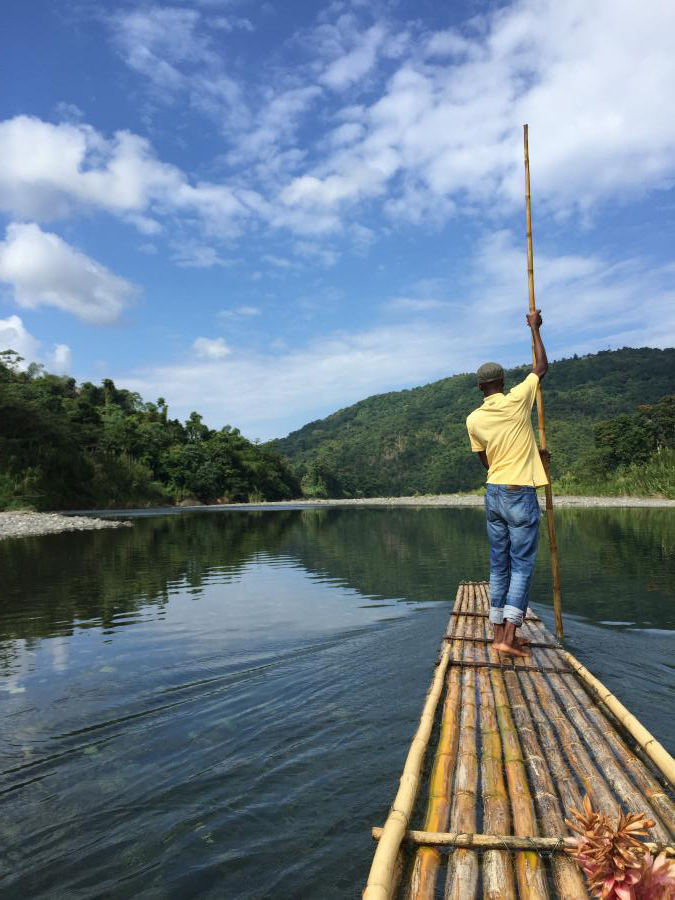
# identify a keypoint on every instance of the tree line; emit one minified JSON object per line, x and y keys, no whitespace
{"x":610,"y":427}
{"x":64,"y":445}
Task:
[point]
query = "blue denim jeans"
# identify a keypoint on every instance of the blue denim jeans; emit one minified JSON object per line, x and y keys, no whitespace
{"x":513,"y":537}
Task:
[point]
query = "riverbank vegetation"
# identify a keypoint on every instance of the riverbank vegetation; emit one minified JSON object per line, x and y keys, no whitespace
{"x":610,"y":415}
{"x":64,"y":445}
{"x":633,"y":454}
{"x":603,"y":437}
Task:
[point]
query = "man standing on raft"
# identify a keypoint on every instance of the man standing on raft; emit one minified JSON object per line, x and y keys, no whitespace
{"x":501,"y":433}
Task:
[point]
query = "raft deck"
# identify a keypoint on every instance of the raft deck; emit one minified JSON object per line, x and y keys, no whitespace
{"x":519,"y":744}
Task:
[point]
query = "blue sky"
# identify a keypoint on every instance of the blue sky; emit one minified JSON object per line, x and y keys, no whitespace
{"x":268,"y":211}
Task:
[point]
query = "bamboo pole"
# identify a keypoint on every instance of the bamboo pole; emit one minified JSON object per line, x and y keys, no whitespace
{"x":587,"y":773}
{"x":568,"y":878}
{"x":654,"y":750}
{"x":382,"y":870}
{"x":530,"y":872}
{"x":640,"y":774}
{"x":462,"y":876}
{"x":506,"y":842}
{"x":427,"y":859}
{"x":498,"y":878}
{"x":553,"y":543}
{"x":605,"y":759}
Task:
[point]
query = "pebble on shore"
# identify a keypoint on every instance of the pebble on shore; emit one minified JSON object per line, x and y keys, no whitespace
{"x":31,"y":524}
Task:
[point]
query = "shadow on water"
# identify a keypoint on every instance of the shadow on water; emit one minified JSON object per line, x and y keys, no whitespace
{"x":219,"y":704}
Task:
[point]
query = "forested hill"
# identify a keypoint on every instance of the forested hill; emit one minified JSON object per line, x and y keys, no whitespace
{"x":415,"y":440}
{"x":68,"y":445}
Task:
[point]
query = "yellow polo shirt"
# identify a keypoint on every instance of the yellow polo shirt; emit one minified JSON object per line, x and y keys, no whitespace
{"x":502,"y":427}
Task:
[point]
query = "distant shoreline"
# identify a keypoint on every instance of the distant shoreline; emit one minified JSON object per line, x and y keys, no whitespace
{"x":20,"y":523}
{"x":463,"y":500}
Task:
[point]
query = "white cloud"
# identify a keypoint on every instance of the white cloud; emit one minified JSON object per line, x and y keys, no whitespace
{"x":49,"y":170}
{"x":451,"y":134}
{"x":154,"y":40}
{"x":447,"y":43}
{"x":587,"y":303}
{"x":44,"y":270}
{"x":268,"y":395}
{"x":432,"y":126}
{"x":245,"y":310}
{"x":60,"y":359}
{"x":165,"y":44}
{"x":279,"y":262}
{"x":15,"y":336}
{"x":275,"y":125}
{"x":360,"y":59}
{"x":211,"y":348}
{"x":177,"y":51}
{"x":68,"y":112}
{"x":314,"y":251}
{"x":189,"y":255}
{"x":144,"y":224}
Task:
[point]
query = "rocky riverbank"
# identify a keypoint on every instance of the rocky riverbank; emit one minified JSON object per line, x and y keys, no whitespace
{"x":25,"y":524}
{"x":30,"y":524}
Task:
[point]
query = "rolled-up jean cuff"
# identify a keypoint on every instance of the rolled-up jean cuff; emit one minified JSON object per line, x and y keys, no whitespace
{"x":513,"y":614}
{"x":496,"y":615}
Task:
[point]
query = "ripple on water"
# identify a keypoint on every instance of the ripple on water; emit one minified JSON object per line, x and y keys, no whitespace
{"x":220,"y":704}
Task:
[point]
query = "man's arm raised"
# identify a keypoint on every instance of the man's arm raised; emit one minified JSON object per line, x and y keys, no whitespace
{"x":540,"y":365}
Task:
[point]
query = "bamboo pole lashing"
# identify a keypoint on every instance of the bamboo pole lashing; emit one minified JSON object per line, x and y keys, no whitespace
{"x":507,"y":842}
{"x":488,"y":640}
{"x":381,"y":876}
{"x":483,"y":615}
{"x":508,"y":666}
{"x":567,"y":876}
{"x":550,"y":522}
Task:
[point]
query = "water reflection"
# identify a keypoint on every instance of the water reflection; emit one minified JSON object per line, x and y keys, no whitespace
{"x":618,"y":565}
{"x":219,"y":704}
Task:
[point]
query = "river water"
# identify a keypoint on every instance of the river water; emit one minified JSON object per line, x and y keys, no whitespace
{"x":219,"y":704}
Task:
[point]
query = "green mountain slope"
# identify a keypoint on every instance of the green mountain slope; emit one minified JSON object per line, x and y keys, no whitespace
{"x":415,"y":440}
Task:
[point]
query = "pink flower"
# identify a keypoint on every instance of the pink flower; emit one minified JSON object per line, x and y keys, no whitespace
{"x":616,"y":863}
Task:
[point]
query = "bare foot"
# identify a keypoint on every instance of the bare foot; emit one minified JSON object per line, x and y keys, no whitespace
{"x":499,"y":638}
{"x":511,"y":649}
{"x":517,"y":641}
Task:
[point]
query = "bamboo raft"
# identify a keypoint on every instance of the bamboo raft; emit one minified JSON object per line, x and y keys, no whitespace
{"x":519,"y":744}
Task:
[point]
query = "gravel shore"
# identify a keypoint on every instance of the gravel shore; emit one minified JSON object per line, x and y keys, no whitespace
{"x":25,"y":524}
{"x":458,"y":500}
{"x":29,"y":524}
